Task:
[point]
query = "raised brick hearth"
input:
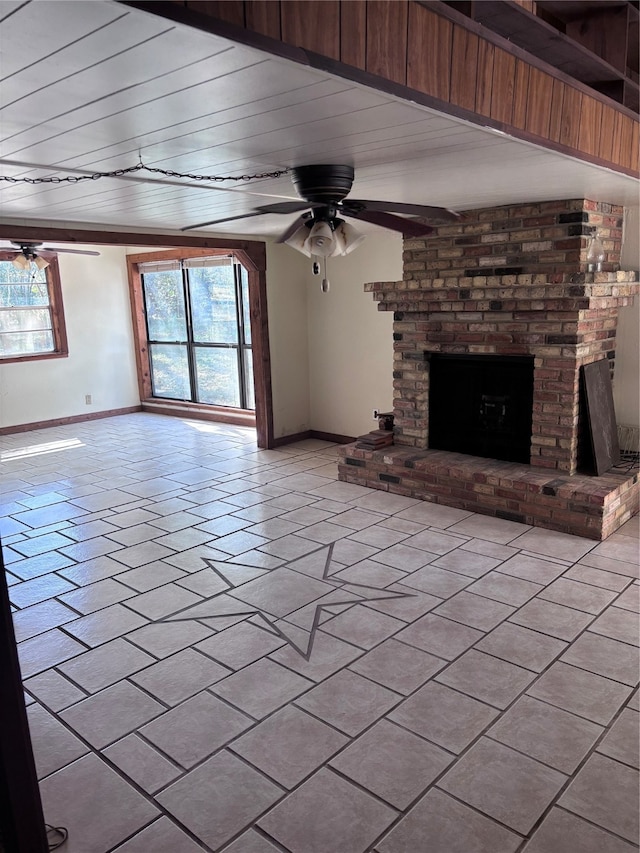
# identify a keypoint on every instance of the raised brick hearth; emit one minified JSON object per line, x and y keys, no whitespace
{"x":507,"y":281}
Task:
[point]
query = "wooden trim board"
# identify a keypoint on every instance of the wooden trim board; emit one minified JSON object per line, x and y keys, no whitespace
{"x":72,"y":419}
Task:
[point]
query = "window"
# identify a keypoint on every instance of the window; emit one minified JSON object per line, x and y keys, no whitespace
{"x":31,"y":315}
{"x":198,"y":331}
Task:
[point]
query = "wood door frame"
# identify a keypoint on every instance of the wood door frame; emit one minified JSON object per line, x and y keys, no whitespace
{"x":251,"y":253}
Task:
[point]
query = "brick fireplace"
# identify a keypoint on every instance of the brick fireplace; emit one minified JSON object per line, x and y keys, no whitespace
{"x":505,"y":285}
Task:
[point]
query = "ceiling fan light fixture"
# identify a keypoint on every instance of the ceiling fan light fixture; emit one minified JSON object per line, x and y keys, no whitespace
{"x":347,"y":238}
{"x":21,"y":262}
{"x":40,"y":262}
{"x":298,"y":240}
{"x":321,"y":240}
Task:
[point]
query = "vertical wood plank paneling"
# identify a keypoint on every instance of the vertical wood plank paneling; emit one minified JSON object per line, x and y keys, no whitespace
{"x":555,"y":116}
{"x":387,"y":39}
{"x":590,"y":118}
{"x":353,"y":33}
{"x":570,"y":124}
{"x":413,"y":45}
{"x":540,"y":92}
{"x":626,"y":141}
{"x":520,"y":95}
{"x":607,"y":125}
{"x":635,"y":146}
{"x":231,"y":11}
{"x":263,"y":16}
{"x":484,"y":80}
{"x":429,"y":52}
{"x":464,"y":68}
{"x":616,"y":138}
{"x":313,"y":25}
{"x":504,"y":73}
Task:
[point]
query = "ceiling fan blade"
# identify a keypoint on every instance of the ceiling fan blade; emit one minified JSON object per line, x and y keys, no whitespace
{"x":279,"y":207}
{"x":291,"y":230}
{"x":286,"y":206}
{"x":407,"y":227}
{"x":39,"y":249}
{"x":58,"y":249}
{"x":225,"y":219}
{"x":423,"y":210}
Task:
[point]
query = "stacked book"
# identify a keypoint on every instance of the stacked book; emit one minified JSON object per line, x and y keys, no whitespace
{"x":375,"y":440}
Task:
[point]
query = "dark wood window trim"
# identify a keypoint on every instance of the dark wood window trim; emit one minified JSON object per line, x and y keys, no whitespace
{"x":52,"y":274}
{"x":255,"y":266}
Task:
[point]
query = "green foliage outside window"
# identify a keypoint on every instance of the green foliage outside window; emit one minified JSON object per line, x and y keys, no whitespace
{"x":25,"y":312}
{"x":201,"y":342}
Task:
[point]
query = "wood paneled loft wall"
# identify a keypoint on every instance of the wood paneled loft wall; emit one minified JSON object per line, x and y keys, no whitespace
{"x":451,"y":63}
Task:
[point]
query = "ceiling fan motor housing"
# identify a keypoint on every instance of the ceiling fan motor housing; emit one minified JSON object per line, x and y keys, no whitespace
{"x":323,"y":184}
{"x":27,"y":249}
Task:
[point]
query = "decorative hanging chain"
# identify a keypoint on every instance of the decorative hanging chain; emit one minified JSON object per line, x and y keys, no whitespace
{"x":118,"y":173}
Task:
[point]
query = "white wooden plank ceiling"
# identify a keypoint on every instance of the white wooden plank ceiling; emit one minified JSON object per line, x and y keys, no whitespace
{"x":91,"y":85}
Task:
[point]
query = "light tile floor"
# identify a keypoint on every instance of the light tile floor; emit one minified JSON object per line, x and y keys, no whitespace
{"x":348,"y":672}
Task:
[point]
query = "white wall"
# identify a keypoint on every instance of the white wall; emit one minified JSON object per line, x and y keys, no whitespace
{"x":350,"y":341}
{"x":626,"y":384}
{"x":101,"y":359}
{"x":287,"y":292}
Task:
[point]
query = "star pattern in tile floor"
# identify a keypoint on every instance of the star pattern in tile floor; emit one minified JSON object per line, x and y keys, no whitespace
{"x":226,"y":649}
{"x":272,"y":595}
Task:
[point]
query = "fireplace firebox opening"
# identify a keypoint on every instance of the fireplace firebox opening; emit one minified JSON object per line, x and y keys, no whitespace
{"x":481,"y":405}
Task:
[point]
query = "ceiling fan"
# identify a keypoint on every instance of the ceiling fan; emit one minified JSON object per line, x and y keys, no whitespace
{"x":319,"y":230}
{"x":27,"y":253}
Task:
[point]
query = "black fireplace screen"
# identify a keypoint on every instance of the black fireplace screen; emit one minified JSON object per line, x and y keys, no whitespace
{"x":481,"y":405}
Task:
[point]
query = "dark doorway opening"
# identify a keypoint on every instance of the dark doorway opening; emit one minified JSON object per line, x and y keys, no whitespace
{"x":481,"y":405}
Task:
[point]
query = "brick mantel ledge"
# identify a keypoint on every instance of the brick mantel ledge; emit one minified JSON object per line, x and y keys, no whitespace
{"x":575,"y":291}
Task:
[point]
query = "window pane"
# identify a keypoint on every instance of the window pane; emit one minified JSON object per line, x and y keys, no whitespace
{"x":10,"y":274}
{"x":170,"y":371}
{"x":164,"y":298}
{"x":213,"y":305}
{"x":248,"y":372}
{"x":26,"y":314}
{"x":26,"y":343}
{"x":217,"y":371}
{"x":246,"y":314}
{"x":24,"y":319}
{"x":18,"y":295}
